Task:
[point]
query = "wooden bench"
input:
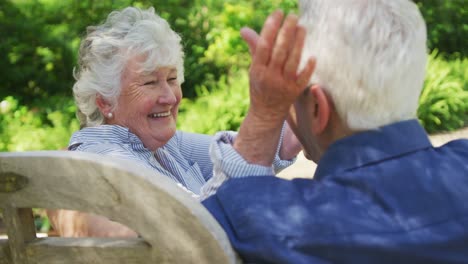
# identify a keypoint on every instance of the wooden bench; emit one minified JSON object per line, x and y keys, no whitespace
{"x":174,"y":227}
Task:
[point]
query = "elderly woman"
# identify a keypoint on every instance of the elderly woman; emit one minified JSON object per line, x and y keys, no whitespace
{"x":128,"y":90}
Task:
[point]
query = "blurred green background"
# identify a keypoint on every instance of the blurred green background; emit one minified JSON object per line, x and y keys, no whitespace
{"x":40,"y":39}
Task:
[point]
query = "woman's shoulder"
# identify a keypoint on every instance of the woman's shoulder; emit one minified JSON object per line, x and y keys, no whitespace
{"x":103,"y":134}
{"x":99,"y":147}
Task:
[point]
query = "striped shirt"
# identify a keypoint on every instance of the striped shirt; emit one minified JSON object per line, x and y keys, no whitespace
{"x":228,"y":163}
{"x":185,"y":157}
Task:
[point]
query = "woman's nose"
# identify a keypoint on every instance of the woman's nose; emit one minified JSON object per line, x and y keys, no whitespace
{"x":168,"y":95}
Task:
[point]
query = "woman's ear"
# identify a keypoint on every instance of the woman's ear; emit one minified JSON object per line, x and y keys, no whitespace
{"x":104,"y":106}
{"x":322,"y":108}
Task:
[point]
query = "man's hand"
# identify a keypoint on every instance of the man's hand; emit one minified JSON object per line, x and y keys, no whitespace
{"x":274,"y":85}
{"x":274,"y":79}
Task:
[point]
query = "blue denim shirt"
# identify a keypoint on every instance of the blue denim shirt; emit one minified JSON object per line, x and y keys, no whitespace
{"x":381,"y":196}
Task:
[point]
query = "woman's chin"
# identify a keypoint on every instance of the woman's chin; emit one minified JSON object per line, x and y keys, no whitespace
{"x":157,"y":137}
{"x":167,"y":133}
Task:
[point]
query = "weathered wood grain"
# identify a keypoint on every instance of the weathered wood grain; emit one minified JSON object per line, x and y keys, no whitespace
{"x":89,"y":250}
{"x":10,"y":182}
{"x":19,"y":223}
{"x":4,"y":252}
{"x":177,"y":227}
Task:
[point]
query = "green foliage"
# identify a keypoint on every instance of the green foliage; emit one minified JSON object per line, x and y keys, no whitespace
{"x":41,"y":221}
{"x":212,"y":41}
{"x":23,"y":128}
{"x":447,"y":25}
{"x":222,"y":109}
{"x":34,"y":62}
{"x":41,"y":52}
{"x":41,"y":38}
{"x":443,"y":104}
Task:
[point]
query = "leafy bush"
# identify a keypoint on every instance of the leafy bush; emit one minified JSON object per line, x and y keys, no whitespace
{"x":36,"y":61}
{"x":22,"y":128}
{"x":447,"y":25}
{"x":211,"y":36}
{"x":39,"y":55}
{"x":443,"y":104}
{"x":222,"y":109}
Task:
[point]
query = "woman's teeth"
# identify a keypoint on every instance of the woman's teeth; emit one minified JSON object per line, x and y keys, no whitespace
{"x":164,"y":114}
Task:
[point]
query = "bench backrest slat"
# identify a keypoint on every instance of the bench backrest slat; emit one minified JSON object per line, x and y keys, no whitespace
{"x":176,"y":227}
{"x":21,"y":230}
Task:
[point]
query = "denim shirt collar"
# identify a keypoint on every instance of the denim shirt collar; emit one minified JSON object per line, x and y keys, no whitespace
{"x":372,"y":146}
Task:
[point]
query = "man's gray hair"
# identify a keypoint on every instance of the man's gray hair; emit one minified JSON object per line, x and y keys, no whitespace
{"x":371,"y":57}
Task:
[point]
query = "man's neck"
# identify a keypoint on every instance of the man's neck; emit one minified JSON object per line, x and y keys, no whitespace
{"x":336,"y":129}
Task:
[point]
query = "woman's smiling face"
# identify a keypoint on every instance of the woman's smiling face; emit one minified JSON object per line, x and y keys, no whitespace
{"x":148,"y":103}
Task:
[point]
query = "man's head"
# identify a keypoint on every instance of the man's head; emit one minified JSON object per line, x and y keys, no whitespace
{"x":371,"y":58}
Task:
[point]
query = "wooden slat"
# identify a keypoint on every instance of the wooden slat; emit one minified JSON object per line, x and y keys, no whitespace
{"x":20,"y":229}
{"x":24,"y":220}
{"x":178,"y":228}
{"x":89,"y":250}
{"x":4,"y":252}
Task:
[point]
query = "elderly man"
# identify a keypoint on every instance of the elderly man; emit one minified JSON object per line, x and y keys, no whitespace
{"x":381,"y":192}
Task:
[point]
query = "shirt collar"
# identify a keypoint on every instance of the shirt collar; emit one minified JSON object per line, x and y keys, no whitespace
{"x":372,"y":146}
{"x":104,"y":134}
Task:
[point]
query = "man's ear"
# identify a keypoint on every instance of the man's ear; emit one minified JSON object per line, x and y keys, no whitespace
{"x":321,"y":111}
{"x":104,"y":106}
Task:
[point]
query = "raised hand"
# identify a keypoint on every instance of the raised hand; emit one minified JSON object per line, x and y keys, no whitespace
{"x":274,"y":79}
{"x":274,"y":85}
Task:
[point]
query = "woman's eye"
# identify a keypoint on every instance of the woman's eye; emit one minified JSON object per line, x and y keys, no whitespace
{"x":172,"y":79}
{"x":150,"y":83}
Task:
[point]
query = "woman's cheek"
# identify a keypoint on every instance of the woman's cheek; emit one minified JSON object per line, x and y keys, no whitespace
{"x":147,"y":105}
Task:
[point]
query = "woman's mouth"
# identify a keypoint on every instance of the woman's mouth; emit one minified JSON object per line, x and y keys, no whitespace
{"x":159,"y":115}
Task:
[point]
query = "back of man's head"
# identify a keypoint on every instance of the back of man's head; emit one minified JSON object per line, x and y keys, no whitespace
{"x":371,"y":57}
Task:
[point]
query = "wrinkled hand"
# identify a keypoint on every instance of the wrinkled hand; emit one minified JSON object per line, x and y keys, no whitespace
{"x":274,"y":85}
{"x":274,"y":79}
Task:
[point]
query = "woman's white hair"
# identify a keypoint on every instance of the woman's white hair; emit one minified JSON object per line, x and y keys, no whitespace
{"x":371,"y":57}
{"x":106,"y":49}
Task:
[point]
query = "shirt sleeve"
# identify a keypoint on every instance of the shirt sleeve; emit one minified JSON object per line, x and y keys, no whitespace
{"x":228,"y":163}
{"x":278,"y":163}
{"x":196,"y":148}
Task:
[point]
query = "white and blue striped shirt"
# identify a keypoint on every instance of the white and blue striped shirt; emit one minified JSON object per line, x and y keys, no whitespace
{"x":185,"y":157}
